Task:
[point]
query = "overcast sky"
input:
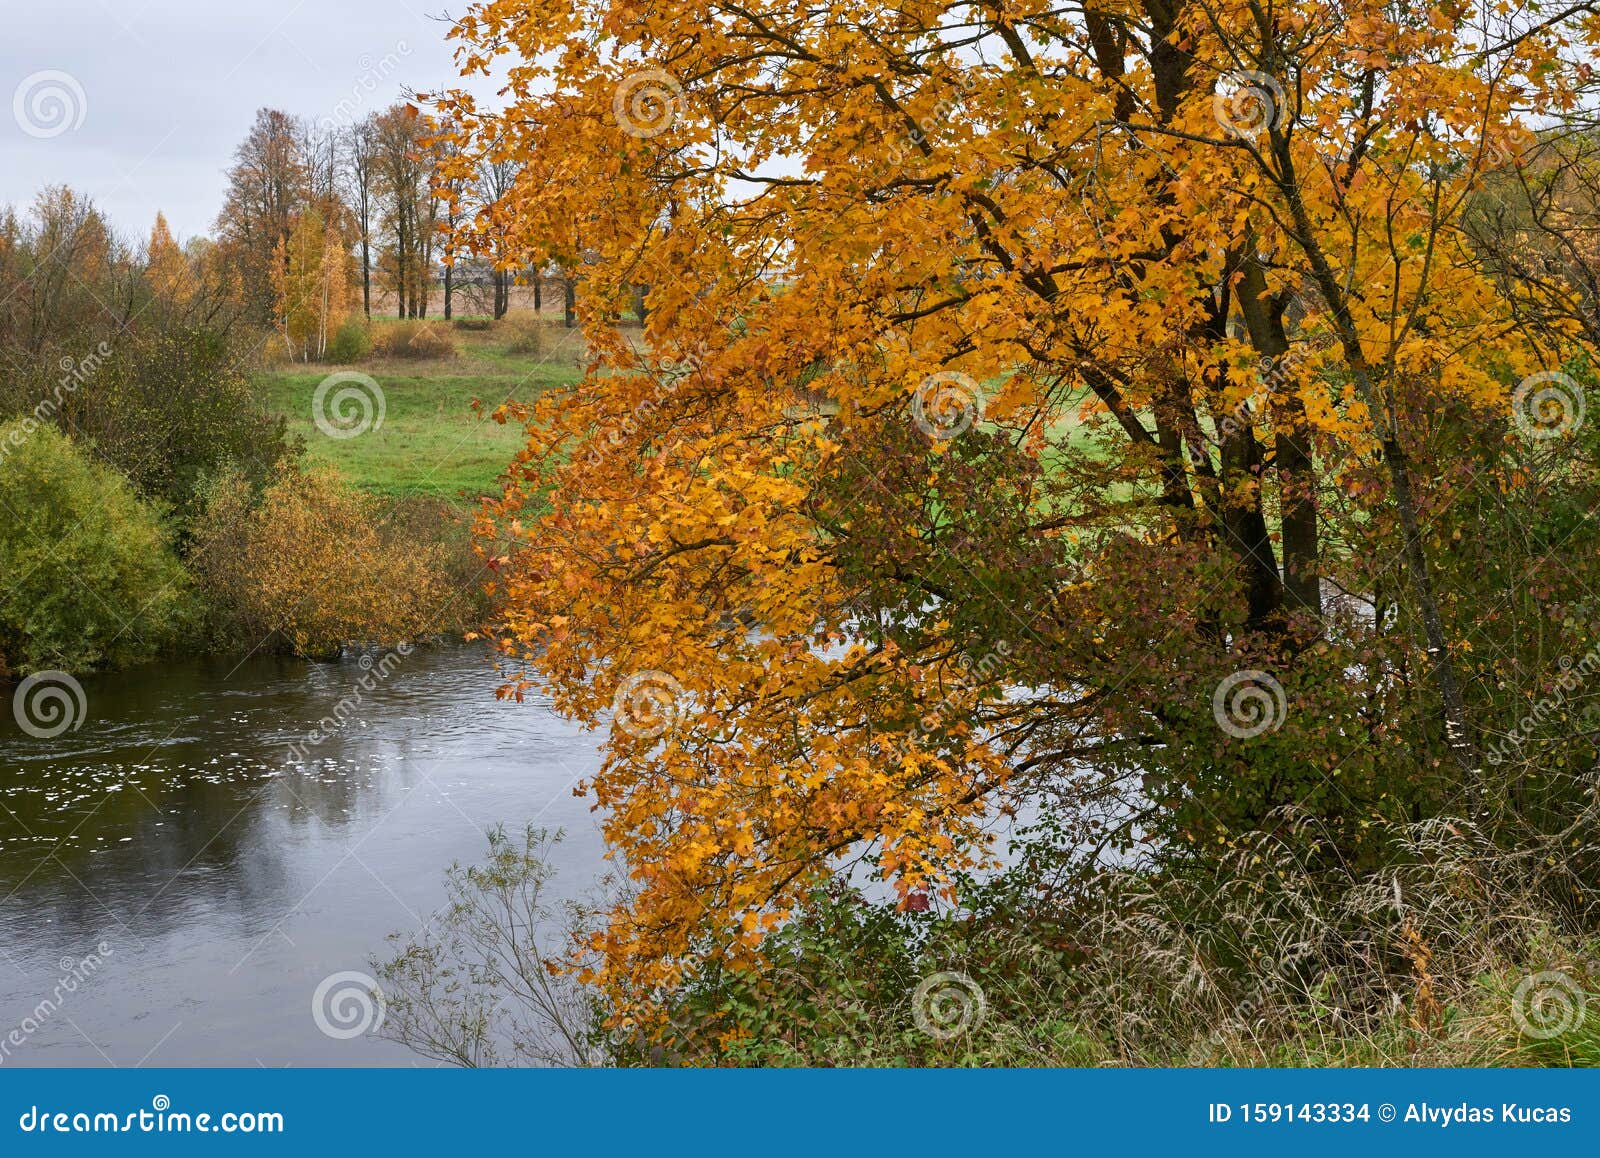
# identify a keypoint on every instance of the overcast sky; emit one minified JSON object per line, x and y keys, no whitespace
{"x":141,"y":103}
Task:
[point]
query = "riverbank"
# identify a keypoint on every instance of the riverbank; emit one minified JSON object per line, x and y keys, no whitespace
{"x":343,"y":522}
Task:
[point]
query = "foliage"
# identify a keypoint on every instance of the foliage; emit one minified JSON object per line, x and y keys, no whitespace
{"x":478,"y":987}
{"x":314,"y":566}
{"x":91,"y":581}
{"x":172,"y":406}
{"x":351,"y":344}
{"x":167,"y":268}
{"x":268,"y":187}
{"x":414,"y":340}
{"x":1013,"y":382}
{"x":1261,"y":957}
{"x":404,"y":176}
{"x":157,"y":386}
{"x":58,"y":262}
{"x":311,"y":285}
{"x":1251,"y":960}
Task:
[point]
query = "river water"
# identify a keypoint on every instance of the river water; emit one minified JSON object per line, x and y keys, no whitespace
{"x":217,"y":881}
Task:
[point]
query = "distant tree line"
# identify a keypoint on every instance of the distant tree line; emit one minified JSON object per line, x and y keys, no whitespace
{"x":319,"y":220}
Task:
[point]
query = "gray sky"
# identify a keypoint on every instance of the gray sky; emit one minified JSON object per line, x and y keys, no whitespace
{"x":166,"y":89}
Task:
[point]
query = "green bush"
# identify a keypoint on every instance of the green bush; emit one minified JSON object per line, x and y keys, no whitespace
{"x":170,"y":407}
{"x":90,"y":577}
{"x":351,"y":344}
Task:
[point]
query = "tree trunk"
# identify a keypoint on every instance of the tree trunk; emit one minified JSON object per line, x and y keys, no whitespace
{"x":1245,"y":526}
{"x":1457,"y":736}
{"x":1292,"y":457}
{"x":570,"y":306}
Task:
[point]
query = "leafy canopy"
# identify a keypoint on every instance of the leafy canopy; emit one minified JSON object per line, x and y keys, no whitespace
{"x":1004,"y":363}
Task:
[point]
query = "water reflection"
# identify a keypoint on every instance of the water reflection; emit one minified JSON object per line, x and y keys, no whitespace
{"x":227,"y":881}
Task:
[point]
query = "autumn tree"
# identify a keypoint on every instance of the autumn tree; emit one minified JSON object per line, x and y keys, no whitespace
{"x":450,"y":212}
{"x":75,"y":275}
{"x":311,"y":282}
{"x":410,"y":212}
{"x":268,"y":187}
{"x":360,"y":178}
{"x":1017,"y":380}
{"x":1537,"y":223}
{"x":496,"y":178}
{"x":167,"y":266}
{"x":321,"y":150}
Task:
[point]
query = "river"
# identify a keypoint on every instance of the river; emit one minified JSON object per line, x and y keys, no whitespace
{"x":212,"y":882}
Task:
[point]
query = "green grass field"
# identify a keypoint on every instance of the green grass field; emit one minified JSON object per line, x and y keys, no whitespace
{"x":432,"y":442}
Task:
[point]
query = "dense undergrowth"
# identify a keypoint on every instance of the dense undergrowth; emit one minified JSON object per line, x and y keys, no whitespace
{"x":1459,"y":954}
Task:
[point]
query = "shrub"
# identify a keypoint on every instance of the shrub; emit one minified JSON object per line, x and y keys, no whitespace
{"x":1256,"y":959}
{"x":1449,"y":956}
{"x":412,"y":339}
{"x":445,"y":529}
{"x":170,"y":407}
{"x":524,"y":338}
{"x":481,"y":984}
{"x":351,"y":344}
{"x":432,"y":342}
{"x":474,"y":325}
{"x":90,"y":577}
{"x":315,"y":565}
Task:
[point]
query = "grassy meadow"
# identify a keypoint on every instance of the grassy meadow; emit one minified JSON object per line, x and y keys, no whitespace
{"x":433,"y":443}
